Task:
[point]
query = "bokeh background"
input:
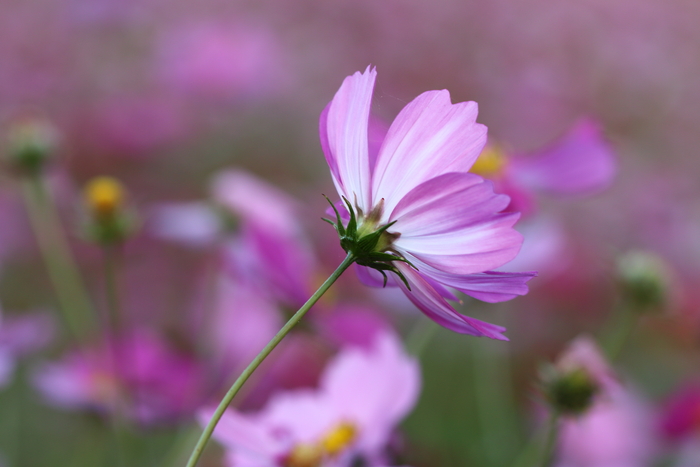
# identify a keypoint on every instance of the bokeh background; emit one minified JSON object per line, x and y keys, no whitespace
{"x":164,"y":95}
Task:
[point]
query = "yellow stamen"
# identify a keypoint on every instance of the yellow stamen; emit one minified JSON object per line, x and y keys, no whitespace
{"x":491,"y":161}
{"x":104,"y":196}
{"x":339,"y":438}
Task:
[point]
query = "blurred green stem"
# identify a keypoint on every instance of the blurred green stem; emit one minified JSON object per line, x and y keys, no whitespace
{"x":110,"y":255}
{"x":550,"y":440}
{"x":618,"y":331}
{"x":219,"y":412}
{"x":495,"y":403}
{"x":73,"y":300}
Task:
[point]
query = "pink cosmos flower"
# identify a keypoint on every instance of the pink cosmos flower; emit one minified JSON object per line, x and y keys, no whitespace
{"x":19,"y":336}
{"x":434,"y":214}
{"x":581,"y":162}
{"x":362,"y":396}
{"x":137,"y":374}
{"x":616,"y":430}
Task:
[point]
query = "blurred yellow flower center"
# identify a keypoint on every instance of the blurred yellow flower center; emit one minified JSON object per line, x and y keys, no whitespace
{"x":104,"y":195}
{"x":491,"y":161}
{"x":331,"y":445}
{"x":339,"y":438}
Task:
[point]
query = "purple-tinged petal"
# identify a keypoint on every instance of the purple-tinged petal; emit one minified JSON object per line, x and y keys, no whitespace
{"x":372,"y":278}
{"x":581,"y":162}
{"x":430,"y":302}
{"x":446,"y":203}
{"x":256,"y":201}
{"x":475,"y":248}
{"x":352,"y":326}
{"x":489,"y":286}
{"x":343,"y":129}
{"x":430,"y":137}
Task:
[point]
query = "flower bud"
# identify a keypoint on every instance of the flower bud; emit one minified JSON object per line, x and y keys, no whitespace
{"x":570,"y":392}
{"x":109,"y":221}
{"x":644,"y":280}
{"x":31,"y":142}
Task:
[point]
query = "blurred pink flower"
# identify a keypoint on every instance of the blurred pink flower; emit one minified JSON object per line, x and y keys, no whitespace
{"x":221,"y":60}
{"x":580,"y":162}
{"x":617,"y":430}
{"x":133,"y":125}
{"x":681,"y":413}
{"x":20,"y":335}
{"x":362,"y":396}
{"x":447,"y":221}
{"x":136,"y":374}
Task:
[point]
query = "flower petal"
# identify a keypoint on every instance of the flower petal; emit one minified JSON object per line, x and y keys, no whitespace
{"x":475,"y":248}
{"x":343,"y":130}
{"x":489,"y":286}
{"x":430,"y":137}
{"x":580,"y":162}
{"x":446,"y":203}
{"x":430,"y":302}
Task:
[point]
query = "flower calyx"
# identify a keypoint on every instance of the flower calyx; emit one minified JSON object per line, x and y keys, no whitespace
{"x":569,"y":392}
{"x":369,"y":243}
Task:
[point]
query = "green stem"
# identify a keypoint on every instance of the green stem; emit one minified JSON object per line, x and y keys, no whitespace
{"x":112,"y":296}
{"x":619,"y":330}
{"x":219,"y":412}
{"x":550,"y":440}
{"x":63,"y":272}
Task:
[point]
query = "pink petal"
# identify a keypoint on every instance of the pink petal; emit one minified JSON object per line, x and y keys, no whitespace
{"x":489,"y":286}
{"x":475,"y":248}
{"x":375,"y":388}
{"x":446,"y":203}
{"x":343,"y":129}
{"x":241,"y":433}
{"x":430,"y":137}
{"x":581,"y":162}
{"x":430,"y":302}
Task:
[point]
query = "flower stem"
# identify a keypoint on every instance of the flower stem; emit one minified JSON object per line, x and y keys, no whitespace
{"x":550,"y":440}
{"x":63,"y":272}
{"x":110,"y":259}
{"x":209,"y":429}
{"x":619,"y":330}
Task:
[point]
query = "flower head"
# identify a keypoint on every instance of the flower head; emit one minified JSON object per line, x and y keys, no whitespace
{"x":414,"y":209}
{"x":362,"y":396}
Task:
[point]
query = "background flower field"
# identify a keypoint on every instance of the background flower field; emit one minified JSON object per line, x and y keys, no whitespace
{"x":208,"y":113}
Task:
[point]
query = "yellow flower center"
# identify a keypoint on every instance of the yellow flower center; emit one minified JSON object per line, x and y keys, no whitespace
{"x":330,"y":445}
{"x":339,"y":438}
{"x":104,"y":196}
{"x":491,"y":161}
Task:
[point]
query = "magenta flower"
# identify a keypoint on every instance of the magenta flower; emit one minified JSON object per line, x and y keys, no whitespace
{"x":415,"y":209}
{"x":137,"y":374}
{"x":362,"y":396}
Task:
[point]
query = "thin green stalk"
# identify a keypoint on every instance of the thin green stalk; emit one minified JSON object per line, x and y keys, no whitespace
{"x":110,"y":254}
{"x":219,"y":412}
{"x":495,"y":402}
{"x":72,"y":297}
{"x":550,"y":440}
{"x":619,"y":330}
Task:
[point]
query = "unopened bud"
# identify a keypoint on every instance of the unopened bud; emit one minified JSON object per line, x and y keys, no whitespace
{"x":644,"y":279}
{"x":109,"y":221}
{"x":31,"y":142}
{"x":104,"y":196}
{"x":570,"y":392}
